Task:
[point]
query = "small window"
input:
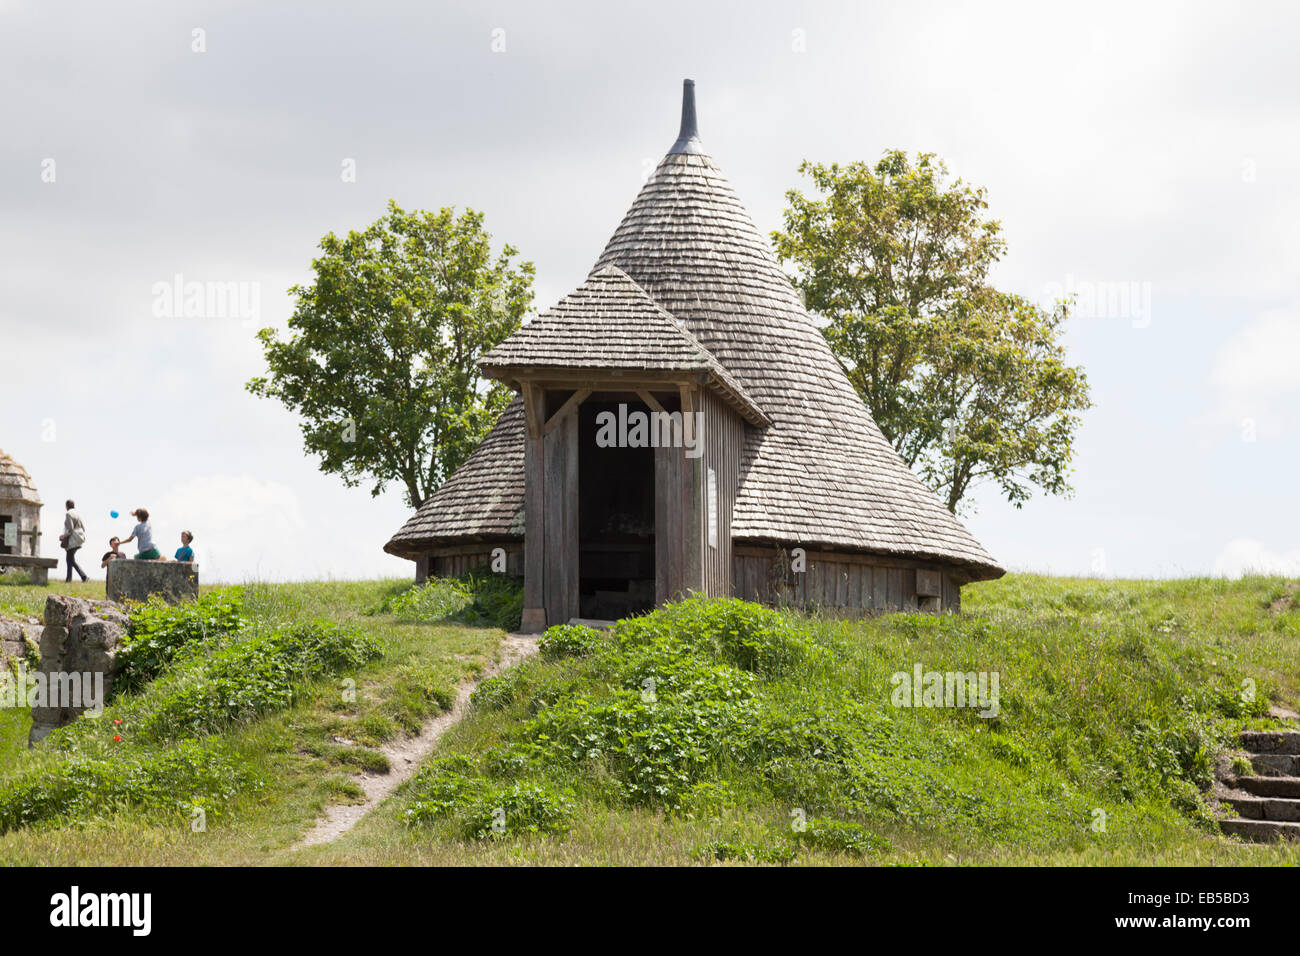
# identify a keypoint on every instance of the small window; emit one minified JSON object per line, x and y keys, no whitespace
{"x":712,"y":495}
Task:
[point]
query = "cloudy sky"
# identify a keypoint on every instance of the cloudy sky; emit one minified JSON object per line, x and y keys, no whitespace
{"x":1144,"y":156}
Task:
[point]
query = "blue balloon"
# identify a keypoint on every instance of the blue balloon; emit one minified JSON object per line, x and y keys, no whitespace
{"x":112,"y":514}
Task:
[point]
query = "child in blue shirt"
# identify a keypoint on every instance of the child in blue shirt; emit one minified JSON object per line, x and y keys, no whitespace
{"x":185,"y":552}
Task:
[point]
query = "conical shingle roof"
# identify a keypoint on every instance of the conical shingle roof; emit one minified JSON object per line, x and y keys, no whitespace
{"x":609,"y":322}
{"x":820,"y":473}
{"x":15,"y":482}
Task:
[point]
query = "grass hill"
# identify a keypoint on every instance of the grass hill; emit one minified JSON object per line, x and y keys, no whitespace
{"x":705,"y":732}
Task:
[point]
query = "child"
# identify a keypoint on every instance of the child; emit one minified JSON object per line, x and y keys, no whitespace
{"x":142,"y":535}
{"x":112,"y":555}
{"x":185,"y":552}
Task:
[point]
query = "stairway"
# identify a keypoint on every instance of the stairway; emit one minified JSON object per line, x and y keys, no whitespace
{"x":1268,"y":801}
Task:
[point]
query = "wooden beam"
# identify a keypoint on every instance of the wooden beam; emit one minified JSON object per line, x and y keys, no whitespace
{"x":533,"y":397}
{"x":650,"y":400}
{"x":576,"y":399}
{"x":689,"y":405}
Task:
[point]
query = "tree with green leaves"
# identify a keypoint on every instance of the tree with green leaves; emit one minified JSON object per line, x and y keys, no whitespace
{"x":969,"y":384}
{"x":380,"y":362}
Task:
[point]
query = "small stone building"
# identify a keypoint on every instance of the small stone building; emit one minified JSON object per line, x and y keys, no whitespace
{"x":764,"y":475}
{"x":20,"y":522}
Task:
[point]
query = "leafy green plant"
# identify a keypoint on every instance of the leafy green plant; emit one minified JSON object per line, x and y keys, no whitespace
{"x":451,"y":788}
{"x":435,"y":600}
{"x":256,"y":676}
{"x":441,"y":786}
{"x":518,"y":809}
{"x":493,"y":693}
{"x":158,"y":632}
{"x":168,"y":783}
{"x":568,"y":640}
{"x":498,"y":600}
{"x":479,"y":598}
{"x":837,"y":836}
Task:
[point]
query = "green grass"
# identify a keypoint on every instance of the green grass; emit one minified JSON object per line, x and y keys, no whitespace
{"x":1115,"y":696}
{"x":291,"y":762}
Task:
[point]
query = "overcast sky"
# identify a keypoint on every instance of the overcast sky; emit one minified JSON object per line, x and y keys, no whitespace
{"x":1145,"y":156}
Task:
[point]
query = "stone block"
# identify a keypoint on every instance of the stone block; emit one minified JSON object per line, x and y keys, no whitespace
{"x":132,"y":580}
{"x":60,"y":609}
{"x":99,"y":634}
{"x":80,"y":650}
{"x":54,"y":639}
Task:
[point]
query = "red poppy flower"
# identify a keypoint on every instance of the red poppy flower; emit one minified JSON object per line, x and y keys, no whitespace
{"x":118,"y":739}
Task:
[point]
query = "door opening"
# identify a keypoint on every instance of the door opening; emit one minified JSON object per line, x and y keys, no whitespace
{"x":616,"y":520}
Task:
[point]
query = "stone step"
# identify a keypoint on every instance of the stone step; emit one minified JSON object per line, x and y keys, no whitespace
{"x":1260,"y":831}
{"x":596,"y":624}
{"x":1271,"y":741}
{"x":1276,"y":765}
{"x":1276,"y":809}
{"x":1270,"y":786}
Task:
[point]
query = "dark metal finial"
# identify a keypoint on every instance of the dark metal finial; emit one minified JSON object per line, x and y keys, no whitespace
{"x":688,"y":139}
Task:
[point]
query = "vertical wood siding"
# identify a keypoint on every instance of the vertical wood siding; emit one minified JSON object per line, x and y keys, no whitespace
{"x":452,"y":562}
{"x":669,"y":542}
{"x":843,"y":584}
{"x":560,"y":520}
{"x":723,"y":441}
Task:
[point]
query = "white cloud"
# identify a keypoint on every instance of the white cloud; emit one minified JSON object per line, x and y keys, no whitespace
{"x":1255,"y":378}
{"x":243,"y":527}
{"x":1260,"y":358}
{"x":1246,"y":556}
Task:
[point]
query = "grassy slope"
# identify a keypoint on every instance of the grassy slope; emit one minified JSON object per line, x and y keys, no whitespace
{"x":1085,"y":666}
{"x":293,"y":751}
{"x":1082,"y":663}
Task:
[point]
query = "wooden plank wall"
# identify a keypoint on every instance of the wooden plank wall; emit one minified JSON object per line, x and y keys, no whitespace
{"x":723,"y":438}
{"x":560,"y":520}
{"x":691,"y":504}
{"x":842,"y":584}
{"x":670,"y":555}
{"x":452,"y":562}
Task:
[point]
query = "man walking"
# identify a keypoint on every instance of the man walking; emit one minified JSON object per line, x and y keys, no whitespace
{"x":73,"y":537}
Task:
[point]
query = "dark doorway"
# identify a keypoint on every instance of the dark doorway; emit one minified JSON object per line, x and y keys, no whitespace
{"x":4,"y":548}
{"x":616,"y":519}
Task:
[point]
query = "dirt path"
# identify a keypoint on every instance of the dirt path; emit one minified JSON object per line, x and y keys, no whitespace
{"x":406,"y":755}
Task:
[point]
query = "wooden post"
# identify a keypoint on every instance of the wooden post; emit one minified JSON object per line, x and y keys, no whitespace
{"x":692,"y":498}
{"x":560,"y":518}
{"x":534,"y":616}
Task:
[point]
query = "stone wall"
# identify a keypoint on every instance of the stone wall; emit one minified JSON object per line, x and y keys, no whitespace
{"x":13,"y":635}
{"x":132,"y":580}
{"x":80,"y":637}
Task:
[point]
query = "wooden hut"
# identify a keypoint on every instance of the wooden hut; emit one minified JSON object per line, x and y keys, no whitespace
{"x":761,"y":474}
